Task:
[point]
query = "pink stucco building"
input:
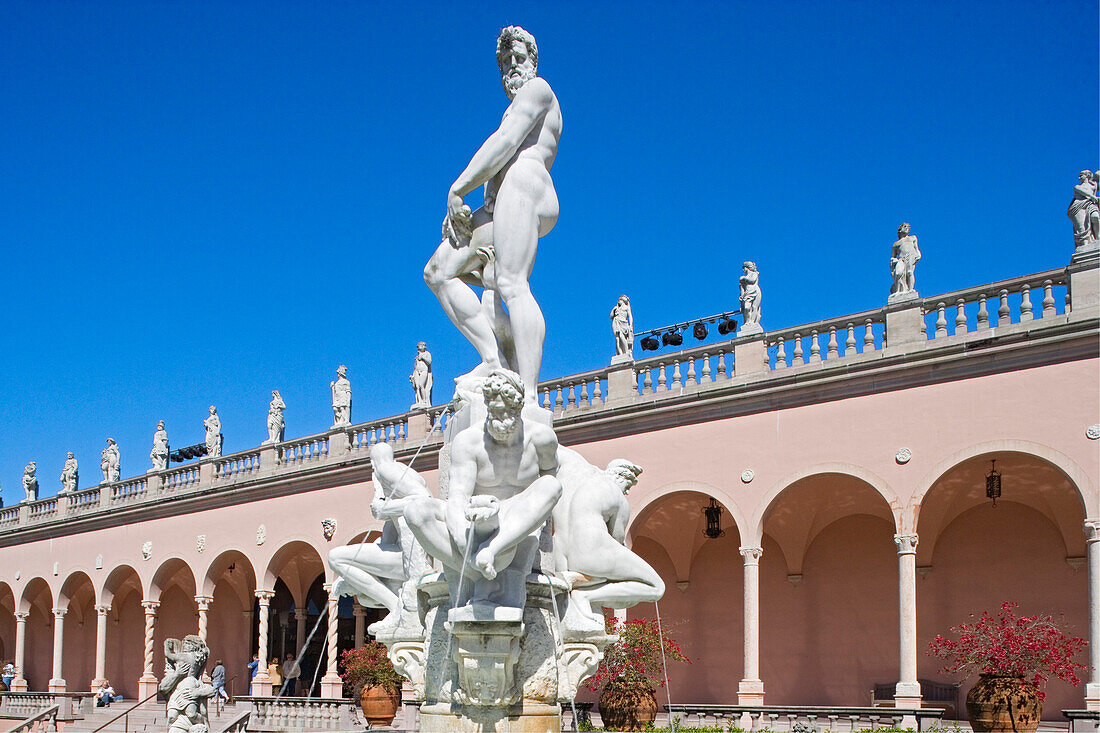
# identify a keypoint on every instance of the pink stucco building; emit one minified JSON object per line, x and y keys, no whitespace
{"x":849,"y":457}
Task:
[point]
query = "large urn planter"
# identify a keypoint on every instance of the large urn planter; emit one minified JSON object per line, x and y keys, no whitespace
{"x":1003,"y":704}
{"x":379,"y":704}
{"x":627,"y":709}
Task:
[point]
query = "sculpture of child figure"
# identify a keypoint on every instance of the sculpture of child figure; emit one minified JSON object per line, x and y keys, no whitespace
{"x":184,"y":662}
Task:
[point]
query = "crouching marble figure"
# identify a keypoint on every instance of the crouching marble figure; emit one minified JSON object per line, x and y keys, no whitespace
{"x":184,"y":663}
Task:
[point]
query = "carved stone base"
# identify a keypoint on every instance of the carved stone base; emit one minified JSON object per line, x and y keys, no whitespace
{"x":526,"y":717}
{"x":486,"y":653}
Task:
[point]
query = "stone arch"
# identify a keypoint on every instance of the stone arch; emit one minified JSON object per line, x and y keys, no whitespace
{"x":120,"y":577}
{"x":7,"y":621}
{"x":298,"y":563}
{"x":36,"y":600}
{"x":172,"y":570}
{"x":36,"y":592}
{"x":643,"y":501}
{"x":74,"y":584}
{"x":366,"y":535}
{"x":680,"y":544}
{"x":231,"y":561}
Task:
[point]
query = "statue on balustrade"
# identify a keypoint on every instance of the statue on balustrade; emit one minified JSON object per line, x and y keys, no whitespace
{"x":378,"y":573}
{"x":109,"y":461}
{"x":159,"y":454}
{"x":70,"y":474}
{"x":213,"y":425}
{"x":276,"y":425}
{"x":622,"y":324}
{"x":421,"y":377}
{"x":341,"y":398}
{"x":495,"y":246}
{"x":903,"y":265}
{"x":30,"y":482}
{"x":188,"y":695}
{"x":1084,"y":211}
{"x":502,"y":490}
{"x":750,"y":299}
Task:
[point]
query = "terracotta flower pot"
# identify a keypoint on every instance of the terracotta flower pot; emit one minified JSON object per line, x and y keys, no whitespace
{"x":1003,"y":704}
{"x":629,"y":709}
{"x":379,"y":704}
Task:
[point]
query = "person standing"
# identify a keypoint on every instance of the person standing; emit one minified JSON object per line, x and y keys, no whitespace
{"x":291,"y":670}
{"x":217,"y":679}
{"x":253,"y":669}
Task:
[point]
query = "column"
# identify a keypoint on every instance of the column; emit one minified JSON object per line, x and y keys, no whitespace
{"x":331,"y":684}
{"x":101,"y":612}
{"x":203,"y":603}
{"x":19,"y":684}
{"x":261,"y":683}
{"x":360,"y":614}
{"x":1092,"y":687}
{"x":907,"y":693}
{"x":57,"y":682}
{"x":300,"y":616}
{"x":750,"y":691}
{"x":147,"y":683}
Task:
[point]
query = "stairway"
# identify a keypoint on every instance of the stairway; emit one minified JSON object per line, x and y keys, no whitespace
{"x":149,"y":718}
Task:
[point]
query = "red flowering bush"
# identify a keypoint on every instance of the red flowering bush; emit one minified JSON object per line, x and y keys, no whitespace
{"x":635,"y":660}
{"x":1033,"y":648}
{"x":368,"y":666}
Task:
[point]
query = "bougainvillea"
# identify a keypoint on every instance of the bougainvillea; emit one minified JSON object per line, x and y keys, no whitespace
{"x":1033,"y":648}
{"x":368,"y":666}
{"x":635,"y":660}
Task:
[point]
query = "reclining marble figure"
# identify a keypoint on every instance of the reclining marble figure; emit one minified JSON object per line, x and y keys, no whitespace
{"x":184,"y":663}
{"x":377,"y":572}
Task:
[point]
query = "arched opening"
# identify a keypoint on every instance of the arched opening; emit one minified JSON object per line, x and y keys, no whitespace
{"x":37,"y":601}
{"x":7,"y":623}
{"x":1029,"y":549}
{"x":177,"y":616}
{"x":828,"y":584}
{"x":125,"y":630}
{"x":79,"y":640}
{"x":231,"y":581}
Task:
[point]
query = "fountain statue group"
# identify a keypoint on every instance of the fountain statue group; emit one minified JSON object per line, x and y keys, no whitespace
{"x":496,"y":587}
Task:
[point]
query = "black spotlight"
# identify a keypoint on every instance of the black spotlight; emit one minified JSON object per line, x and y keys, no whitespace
{"x":649,"y":343}
{"x":699,"y":331}
{"x":727,"y":326}
{"x":672,"y":338}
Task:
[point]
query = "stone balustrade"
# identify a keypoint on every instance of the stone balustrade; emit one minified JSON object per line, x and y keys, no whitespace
{"x":43,"y":722}
{"x":800,"y":717}
{"x":300,"y":713}
{"x":897,"y":332}
{"x":23,"y":705}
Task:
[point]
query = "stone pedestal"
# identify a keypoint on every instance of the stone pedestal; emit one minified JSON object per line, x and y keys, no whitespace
{"x":621,"y":381}
{"x":903,"y":323}
{"x":1084,"y":281}
{"x":518,"y":718}
{"x":419,"y":424}
{"x":749,"y":357}
{"x":339,"y":445}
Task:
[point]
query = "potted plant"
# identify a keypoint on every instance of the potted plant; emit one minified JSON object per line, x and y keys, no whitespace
{"x":369,"y":674}
{"x":631,"y":670}
{"x":1013,"y":656}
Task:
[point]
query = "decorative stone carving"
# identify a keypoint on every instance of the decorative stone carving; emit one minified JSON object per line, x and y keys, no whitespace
{"x":276,"y":425}
{"x":514,"y":165}
{"x":30,"y":482}
{"x":70,"y":474}
{"x":213,"y":426}
{"x":622,"y":325}
{"x":907,"y":543}
{"x":328,"y":528}
{"x":1092,"y":432}
{"x":184,"y":664}
{"x":159,"y":454}
{"x":99,"y":562}
{"x":110,"y":462}
{"x":147,"y":550}
{"x":200,"y":543}
{"x":421,"y":378}
{"x":750,"y":299}
{"x":747,"y":476}
{"x":56,"y":569}
{"x":1084,"y":211}
{"x":341,"y":398}
{"x":903,"y":455}
{"x":904,"y":256}
{"x":261,"y":535}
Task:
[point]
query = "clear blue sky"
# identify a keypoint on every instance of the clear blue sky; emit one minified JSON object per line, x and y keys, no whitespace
{"x":202,"y":201}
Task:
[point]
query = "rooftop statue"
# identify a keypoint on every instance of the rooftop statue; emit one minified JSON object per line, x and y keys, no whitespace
{"x":421,"y":377}
{"x":70,"y":474}
{"x":495,"y":246}
{"x":159,"y":454}
{"x":622,"y":325}
{"x":904,"y":257}
{"x":213,"y":425}
{"x":750,"y":299}
{"x":30,"y":482}
{"x":341,"y":397}
{"x":276,"y":425}
{"x":1084,"y":211}
{"x":184,"y":663}
{"x":109,"y":460}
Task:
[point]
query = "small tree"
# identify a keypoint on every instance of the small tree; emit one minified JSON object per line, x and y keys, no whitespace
{"x":369,"y":666}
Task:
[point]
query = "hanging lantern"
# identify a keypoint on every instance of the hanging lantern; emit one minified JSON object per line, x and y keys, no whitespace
{"x":714,"y":520}
{"x":993,"y":483}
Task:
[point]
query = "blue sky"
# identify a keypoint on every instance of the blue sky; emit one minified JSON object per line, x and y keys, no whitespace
{"x":203,"y":201}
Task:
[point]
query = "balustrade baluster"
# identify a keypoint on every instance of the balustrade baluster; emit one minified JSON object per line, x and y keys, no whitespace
{"x":1003,"y":313}
{"x":1048,"y":298}
{"x":1068,"y":308}
{"x":676,"y":383}
{"x":868,"y":337}
{"x":960,"y":316}
{"x":706,"y":367}
{"x":355,"y":441}
{"x":722,"y":365}
{"x":691,"y":374}
{"x":850,"y":342}
{"x":815,"y":348}
{"x":584,"y":393}
{"x":941,"y":319}
{"x":797,"y":351}
{"x":572,"y":397}
{"x":834,"y":350}
{"x":597,"y":395}
{"x":558,"y":399}
{"x":983,"y":313}
{"x":647,"y":387}
{"x":546,"y":398}
{"x":401,"y":430}
{"x":780,"y":354}
{"x":662,"y":380}
{"x":1025,"y":303}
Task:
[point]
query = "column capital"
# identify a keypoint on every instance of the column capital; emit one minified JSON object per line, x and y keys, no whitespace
{"x":22,"y":616}
{"x":359,"y":611}
{"x":265,"y":596}
{"x":150,"y":607}
{"x":59,"y":613}
{"x":1092,"y":530}
{"x":301,"y":614}
{"x":204,"y":602}
{"x":751,"y":554}
{"x":103,"y":609}
{"x":907,"y":544}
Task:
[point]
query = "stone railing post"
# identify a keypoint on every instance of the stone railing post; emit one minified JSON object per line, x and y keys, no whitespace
{"x":419,"y":425}
{"x":907,"y":693}
{"x":147,"y":684}
{"x":153,"y":483}
{"x":621,"y":380}
{"x":750,"y":357}
{"x":904,"y":321}
{"x":206,"y":471}
{"x":57,"y":682}
{"x":750,"y":691}
{"x":101,"y":612}
{"x":1092,"y":687}
{"x":331,"y":684}
{"x":19,"y":684}
{"x":261,"y":683}
{"x":339,"y":443}
{"x":1083,"y":279}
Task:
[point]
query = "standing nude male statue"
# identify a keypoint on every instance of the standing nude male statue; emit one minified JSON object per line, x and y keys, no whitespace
{"x":495,"y":246}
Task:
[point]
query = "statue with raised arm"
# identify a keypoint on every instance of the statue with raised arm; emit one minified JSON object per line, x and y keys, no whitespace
{"x":184,"y":663}
{"x":110,"y":461}
{"x":904,"y":257}
{"x":494,"y":247}
{"x":213,"y":425}
{"x":377,"y":572}
{"x":1084,"y":210}
{"x":70,"y":474}
{"x":750,"y":299}
{"x":341,"y":398}
{"x":30,"y":482}
{"x":622,"y":325}
{"x":502,"y":490}
{"x":159,"y":454}
{"x":421,"y":377}
{"x":276,"y":425}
